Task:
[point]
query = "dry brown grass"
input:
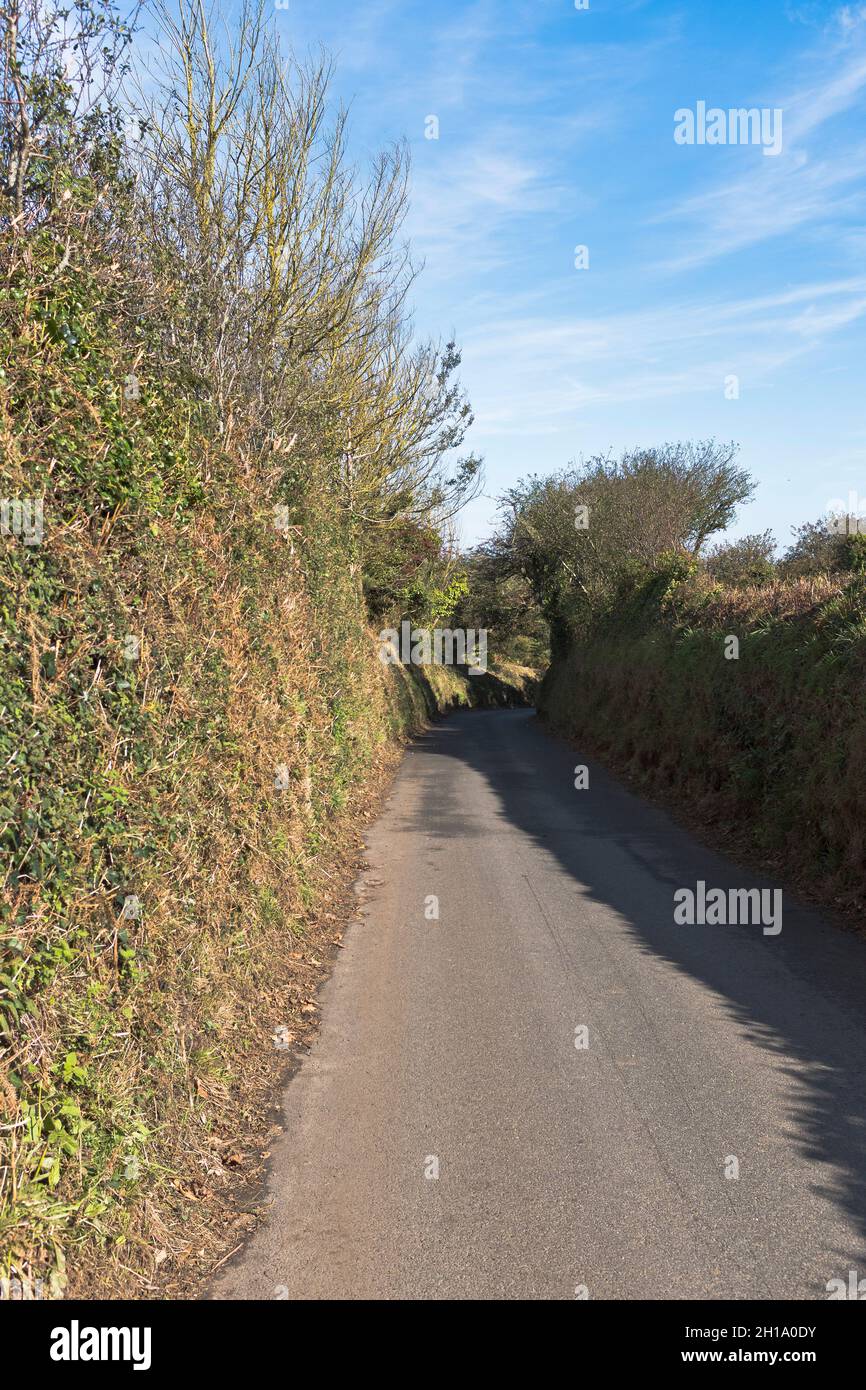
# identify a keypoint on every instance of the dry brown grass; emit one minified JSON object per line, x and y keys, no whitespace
{"x":718,"y":606}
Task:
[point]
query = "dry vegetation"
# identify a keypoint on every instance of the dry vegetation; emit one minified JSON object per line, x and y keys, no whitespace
{"x":208,"y":382}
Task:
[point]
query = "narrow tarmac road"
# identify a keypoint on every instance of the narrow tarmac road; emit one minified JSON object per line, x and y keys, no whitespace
{"x":449,"y":1045}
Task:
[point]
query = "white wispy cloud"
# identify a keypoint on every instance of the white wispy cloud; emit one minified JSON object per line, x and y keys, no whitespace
{"x":806,"y":185}
{"x":462,"y":200}
{"x":529,"y":372}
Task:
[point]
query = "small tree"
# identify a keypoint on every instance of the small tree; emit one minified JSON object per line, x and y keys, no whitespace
{"x":815,"y":550}
{"x":577,"y":536}
{"x":749,"y":560}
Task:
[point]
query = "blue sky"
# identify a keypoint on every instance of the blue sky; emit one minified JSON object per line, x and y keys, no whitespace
{"x":705,"y":261}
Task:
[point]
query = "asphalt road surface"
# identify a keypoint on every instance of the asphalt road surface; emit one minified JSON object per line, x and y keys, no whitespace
{"x":449,"y":1046}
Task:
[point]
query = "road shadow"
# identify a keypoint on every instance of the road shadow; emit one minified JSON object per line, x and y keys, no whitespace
{"x":800,"y":995}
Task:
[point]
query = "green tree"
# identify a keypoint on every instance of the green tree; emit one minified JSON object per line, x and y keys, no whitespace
{"x":577,"y":536}
{"x":815,"y":550}
{"x":749,"y":560}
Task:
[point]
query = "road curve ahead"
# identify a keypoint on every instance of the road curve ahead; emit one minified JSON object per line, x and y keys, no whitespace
{"x":447,"y":1138}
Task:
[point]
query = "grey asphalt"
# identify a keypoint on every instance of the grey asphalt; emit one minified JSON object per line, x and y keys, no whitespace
{"x":564,"y":1169}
